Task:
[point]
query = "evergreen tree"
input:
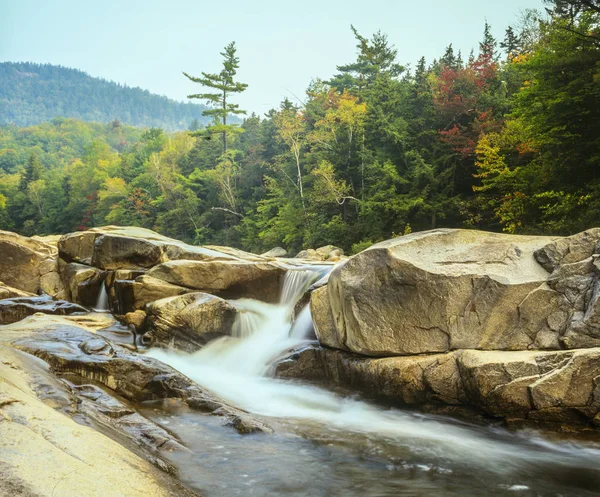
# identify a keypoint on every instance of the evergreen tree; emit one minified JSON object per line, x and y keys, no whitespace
{"x":487,"y":47}
{"x":511,"y":43}
{"x":225,"y":85}
{"x":33,"y":172}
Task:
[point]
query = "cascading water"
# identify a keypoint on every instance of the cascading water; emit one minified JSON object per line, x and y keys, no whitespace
{"x":238,"y":370}
{"x":102,"y":301}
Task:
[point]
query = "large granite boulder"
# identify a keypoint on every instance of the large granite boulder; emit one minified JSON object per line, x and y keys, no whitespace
{"x":116,"y":247}
{"x":556,"y":388}
{"x":440,"y":290}
{"x":15,"y":309}
{"x":229,"y":279}
{"x":29,"y":265}
{"x":189,"y":321}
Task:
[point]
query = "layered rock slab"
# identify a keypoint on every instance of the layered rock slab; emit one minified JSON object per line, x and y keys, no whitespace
{"x":117,"y":247}
{"x":230,"y":279}
{"x":558,"y":388}
{"x":43,"y":452}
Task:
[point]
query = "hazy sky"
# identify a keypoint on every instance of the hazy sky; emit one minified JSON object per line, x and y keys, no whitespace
{"x":282,"y":45}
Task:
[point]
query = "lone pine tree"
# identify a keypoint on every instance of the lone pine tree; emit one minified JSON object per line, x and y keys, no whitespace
{"x":225,"y":85}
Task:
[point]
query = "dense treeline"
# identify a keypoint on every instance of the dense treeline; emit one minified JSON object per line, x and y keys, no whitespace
{"x":505,"y":138}
{"x":34,"y":93}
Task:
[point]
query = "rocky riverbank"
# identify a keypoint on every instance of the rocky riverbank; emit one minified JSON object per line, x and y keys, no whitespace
{"x":506,"y":326}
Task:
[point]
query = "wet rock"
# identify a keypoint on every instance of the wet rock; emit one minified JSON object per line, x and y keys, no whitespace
{"x":188,"y":322}
{"x":531,"y":386}
{"x":436,"y":291}
{"x":137,"y":378}
{"x":15,"y":309}
{"x":29,"y":265}
{"x":97,"y":404}
{"x":137,"y":319}
{"x":44,"y":451}
{"x":275,"y":252}
{"x":228,"y":279}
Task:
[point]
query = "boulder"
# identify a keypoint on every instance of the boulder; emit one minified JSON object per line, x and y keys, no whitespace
{"x":440,"y":290}
{"x":15,"y":309}
{"x":322,"y":315}
{"x":117,"y":247}
{"x":189,"y":321}
{"x":29,"y":265}
{"x":533,"y":387}
{"x":135,"y":294}
{"x":329,"y":251}
{"x":83,"y":283}
{"x":136,"y":318}
{"x":229,"y":279}
{"x":275,"y":252}
{"x":309,"y":255}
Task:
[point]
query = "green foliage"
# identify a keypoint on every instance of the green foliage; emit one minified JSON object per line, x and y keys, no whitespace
{"x":376,"y":152}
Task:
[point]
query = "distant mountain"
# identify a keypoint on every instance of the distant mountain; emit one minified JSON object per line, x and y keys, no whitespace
{"x":34,"y":93}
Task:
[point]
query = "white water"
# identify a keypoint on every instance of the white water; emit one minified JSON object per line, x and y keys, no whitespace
{"x":237,"y":369}
{"x":102,"y":302}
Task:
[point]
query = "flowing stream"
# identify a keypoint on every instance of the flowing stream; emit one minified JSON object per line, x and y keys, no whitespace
{"x":326,"y":444}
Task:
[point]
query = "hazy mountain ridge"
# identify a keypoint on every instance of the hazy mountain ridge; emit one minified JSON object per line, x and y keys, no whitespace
{"x":33,"y":93}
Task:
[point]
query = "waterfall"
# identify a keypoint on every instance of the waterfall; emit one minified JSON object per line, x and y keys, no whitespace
{"x":102,"y":301}
{"x":239,"y":370}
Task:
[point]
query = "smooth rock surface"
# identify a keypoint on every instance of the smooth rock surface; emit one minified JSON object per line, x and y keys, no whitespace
{"x":43,"y":452}
{"x":133,"y":295}
{"x":7,"y":292}
{"x":275,"y":252}
{"x":82,"y":282}
{"x":128,"y":247}
{"x":440,"y":290}
{"x":230,"y":279}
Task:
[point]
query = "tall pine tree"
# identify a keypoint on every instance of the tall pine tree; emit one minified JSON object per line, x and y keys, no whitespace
{"x":225,"y":85}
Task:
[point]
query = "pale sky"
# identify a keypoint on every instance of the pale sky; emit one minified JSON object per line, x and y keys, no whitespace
{"x":282,"y":45}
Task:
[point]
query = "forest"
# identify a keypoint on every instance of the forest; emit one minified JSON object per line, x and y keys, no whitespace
{"x":505,"y":138}
{"x":34,"y":93}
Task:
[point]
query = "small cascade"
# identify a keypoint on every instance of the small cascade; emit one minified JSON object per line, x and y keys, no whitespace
{"x":239,"y":370}
{"x":296,"y":282}
{"x":102,"y":301}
